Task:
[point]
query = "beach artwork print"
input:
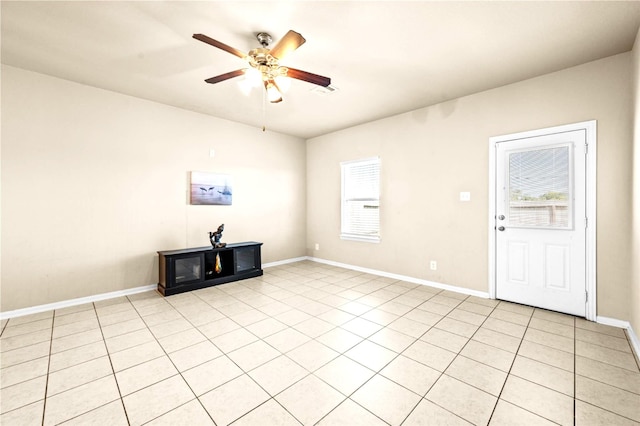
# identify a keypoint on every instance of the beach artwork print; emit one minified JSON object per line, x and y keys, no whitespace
{"x":210,"y":189}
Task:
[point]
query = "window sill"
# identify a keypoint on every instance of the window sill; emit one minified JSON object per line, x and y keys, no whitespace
{"x":363,"y":238}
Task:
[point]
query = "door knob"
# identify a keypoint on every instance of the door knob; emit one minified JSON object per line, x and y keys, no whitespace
{"x":501,"y":228}
{"x":501,"y":217}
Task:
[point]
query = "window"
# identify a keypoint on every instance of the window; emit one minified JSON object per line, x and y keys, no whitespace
{"x":540,"y":188}
{"x":361,"y":200}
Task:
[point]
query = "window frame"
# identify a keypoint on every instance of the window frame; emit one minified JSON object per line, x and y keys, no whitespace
{"x":346,"y":233}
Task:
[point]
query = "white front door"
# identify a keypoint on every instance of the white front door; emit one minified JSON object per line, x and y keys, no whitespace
{"x":540,"y":225}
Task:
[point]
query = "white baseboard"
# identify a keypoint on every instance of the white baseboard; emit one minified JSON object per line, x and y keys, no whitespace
{"x":633,"y":338}
{"x":95,"y":298}
{"x":613,"y":322}
{"x":635,"y":342}
{"x":74,"y":302}
{"x":284,"y":262}
{"x":462,"y":290}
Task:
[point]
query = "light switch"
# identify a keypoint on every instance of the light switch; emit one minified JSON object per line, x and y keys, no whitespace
{"x":465,"y":196}
{"x":212,"y":153}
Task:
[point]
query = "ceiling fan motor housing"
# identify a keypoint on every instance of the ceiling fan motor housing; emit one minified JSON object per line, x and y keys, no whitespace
{"x":264,"y":39}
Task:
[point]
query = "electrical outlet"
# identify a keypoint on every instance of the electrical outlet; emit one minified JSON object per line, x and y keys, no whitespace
{"x":433,"y":265}
{"x":317,"y":246}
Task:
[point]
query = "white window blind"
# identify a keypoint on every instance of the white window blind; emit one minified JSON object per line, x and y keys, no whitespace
{"x":361,"y":200}
{"x":540,"y":188}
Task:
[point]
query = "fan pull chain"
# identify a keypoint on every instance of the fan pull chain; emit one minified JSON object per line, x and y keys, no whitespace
{"x":264,"y":110}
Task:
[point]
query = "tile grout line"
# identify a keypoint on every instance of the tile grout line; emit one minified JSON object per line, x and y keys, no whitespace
{"x":4,"y":326}
{"x":515,"y":356}
{"x":432,"y":326}
{"x":608,"y":411}
{"x":225,"y":354}
{"x":636,"y":356}
{"x":172,"y":363}
{"x":452,"y":308}
{"x":104,"y":341}
{"x":348,"y":397}
{"x":355,"y":402}
{"x":272,"y":397}
{"x":173,"y":308}
{"x":575,"y":376}
{"x":361,"y":314}
{"x":630,"y":351}
{"x":309,"y":289}
{"x":46,"y":386}
{"x":445,"y":369}
{"x":609,"y":384}
{"x":312,"y":373}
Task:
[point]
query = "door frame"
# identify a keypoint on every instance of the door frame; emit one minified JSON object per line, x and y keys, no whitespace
{"x":590,"y":148}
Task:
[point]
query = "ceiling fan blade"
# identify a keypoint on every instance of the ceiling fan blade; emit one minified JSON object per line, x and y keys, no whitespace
{"x":215,"y":43}
{"x":287,"y":44}
{"x":309,"y":77}
{"x":226,"y":76}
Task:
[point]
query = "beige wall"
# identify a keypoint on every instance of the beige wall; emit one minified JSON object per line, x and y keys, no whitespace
{"x":635,"y":293}
{"x":94,"y":183}
{"x":429,"y":155}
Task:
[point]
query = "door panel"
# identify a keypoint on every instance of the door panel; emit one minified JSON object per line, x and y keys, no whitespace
{"x":557,"y":267}
{"x":540,"y":216}
{"x":518,"y":253}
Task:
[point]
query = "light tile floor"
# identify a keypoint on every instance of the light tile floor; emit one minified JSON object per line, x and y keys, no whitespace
{"x":313,"y":344}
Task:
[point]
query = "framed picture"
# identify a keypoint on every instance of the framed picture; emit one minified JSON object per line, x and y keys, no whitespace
{"x":211,"y":189}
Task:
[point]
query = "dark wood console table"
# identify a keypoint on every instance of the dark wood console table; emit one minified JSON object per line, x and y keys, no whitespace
{"x":194,"y":268}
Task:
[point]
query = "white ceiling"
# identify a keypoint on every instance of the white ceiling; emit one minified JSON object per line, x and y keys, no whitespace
{"x":385,"y":57}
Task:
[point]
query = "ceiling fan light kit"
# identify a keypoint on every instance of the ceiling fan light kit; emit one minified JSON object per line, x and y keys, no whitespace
{"x":273,"y":91}
{"x":267,"y":63}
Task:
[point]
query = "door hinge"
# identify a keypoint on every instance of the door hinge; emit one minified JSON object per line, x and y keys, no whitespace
{"x":586,"y":222}
{"x":586,"y":296}
{"x":586,"y":148}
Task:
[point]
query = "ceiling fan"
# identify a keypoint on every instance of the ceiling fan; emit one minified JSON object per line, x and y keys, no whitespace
{"x":267,"y":62}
